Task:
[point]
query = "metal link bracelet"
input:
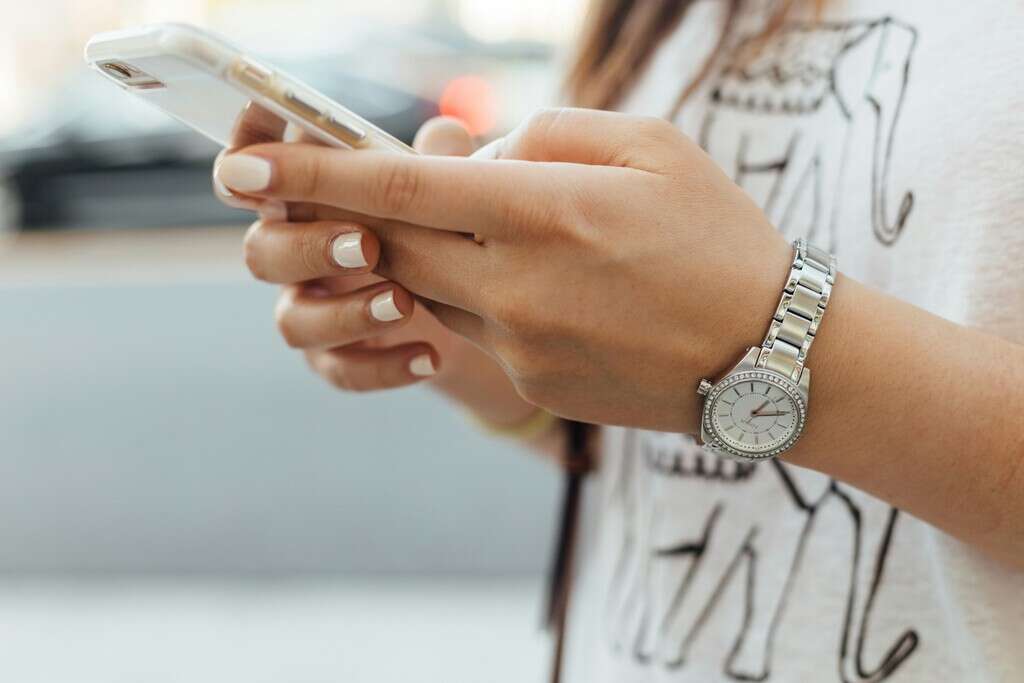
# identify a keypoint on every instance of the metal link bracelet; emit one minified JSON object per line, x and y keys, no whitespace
{"x":799,"y":312}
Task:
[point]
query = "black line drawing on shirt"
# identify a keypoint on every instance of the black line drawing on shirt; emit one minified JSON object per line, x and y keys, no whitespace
{"x":737,"y":549}
{"x":820,"y":82}
{"x":783,"y":118}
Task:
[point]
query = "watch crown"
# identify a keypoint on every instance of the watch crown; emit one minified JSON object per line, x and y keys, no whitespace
{"x":704,"y":388}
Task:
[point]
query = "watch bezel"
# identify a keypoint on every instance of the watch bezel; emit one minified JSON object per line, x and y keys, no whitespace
{"x":716,"y":441}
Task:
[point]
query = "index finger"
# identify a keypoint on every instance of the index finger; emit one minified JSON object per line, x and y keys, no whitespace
{"x":449,"y":193}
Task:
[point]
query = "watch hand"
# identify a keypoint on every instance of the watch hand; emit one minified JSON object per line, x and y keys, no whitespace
{"x":754,"y":412}
{"x":776,"y":414}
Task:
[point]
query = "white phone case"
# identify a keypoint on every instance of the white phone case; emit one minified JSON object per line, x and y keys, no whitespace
{"x":206,"y":83}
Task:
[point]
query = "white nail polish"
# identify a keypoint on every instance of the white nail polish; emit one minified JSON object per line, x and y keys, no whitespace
{"x":222,"y":189}
{"x":383,"y":308}
{"x":347,"y":250}
{"x":274,"y":211}
{"x":422,"y":366}
{"x":492,"y":150}
{"x":244,"y":172}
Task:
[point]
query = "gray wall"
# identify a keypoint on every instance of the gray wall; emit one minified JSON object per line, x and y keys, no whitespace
{"x":165,"y":428}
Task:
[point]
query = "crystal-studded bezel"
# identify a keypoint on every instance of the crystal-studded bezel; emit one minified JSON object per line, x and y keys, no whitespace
{"x":718,"y":444}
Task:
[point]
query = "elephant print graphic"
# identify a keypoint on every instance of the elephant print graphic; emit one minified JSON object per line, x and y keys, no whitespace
{"x":737,"y":551}
{"x":781,"y":118}
{"x":823,"y":85}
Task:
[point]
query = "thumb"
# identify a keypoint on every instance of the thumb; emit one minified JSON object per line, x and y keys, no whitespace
{"x":444,"y":136}
{"x":589,"y":136}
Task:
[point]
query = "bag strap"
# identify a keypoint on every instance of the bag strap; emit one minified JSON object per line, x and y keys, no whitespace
{"x":577,"y":463}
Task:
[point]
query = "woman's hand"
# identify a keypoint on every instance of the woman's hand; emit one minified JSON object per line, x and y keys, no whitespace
{"x":357,"y":330}
{"x":618,"y":265}
{"x":614,"y":265}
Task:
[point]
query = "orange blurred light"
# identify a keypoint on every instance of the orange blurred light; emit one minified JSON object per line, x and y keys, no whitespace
{"x":470,"y":99}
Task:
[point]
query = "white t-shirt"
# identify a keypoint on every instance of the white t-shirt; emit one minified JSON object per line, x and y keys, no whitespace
{"x":891,"y":133}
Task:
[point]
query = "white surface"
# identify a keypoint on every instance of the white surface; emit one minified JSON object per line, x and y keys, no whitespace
{"x":284,"y":632}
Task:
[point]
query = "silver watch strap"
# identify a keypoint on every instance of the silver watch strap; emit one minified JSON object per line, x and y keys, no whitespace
{"x":799,"y":313}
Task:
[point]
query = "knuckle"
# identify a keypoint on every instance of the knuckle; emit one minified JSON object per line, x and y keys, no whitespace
{"x":357,"y":377}
{"x":540,"y":124}
{"x":311,"y":177}
{"x":546,"y":217}
{"x":397,"y":188}
{"x":286,"y":326}
{"x":529,"y":139}
{"x":579,"y":219}
{"x":654,"y":131}
{"x":253,"y":253}
{"x":583,"y":228}
{"x":347,"y":321}
{"x":311,"y":252}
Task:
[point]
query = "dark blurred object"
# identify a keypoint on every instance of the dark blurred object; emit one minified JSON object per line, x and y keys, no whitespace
{"x":98,"y":158}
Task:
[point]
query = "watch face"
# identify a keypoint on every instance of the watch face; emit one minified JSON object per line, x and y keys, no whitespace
{"x":755,"y":414}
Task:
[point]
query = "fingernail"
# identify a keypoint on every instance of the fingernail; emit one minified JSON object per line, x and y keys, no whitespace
{"x":243,"y":172}
{"x":222,"y":189}
{"x":274,"y":211}
{"x":422,"y":366}
{"x":492,"y":150}
{"x":383,"y":308}
{"x":347,"y":250}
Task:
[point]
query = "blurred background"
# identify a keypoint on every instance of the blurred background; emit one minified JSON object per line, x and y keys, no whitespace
{"x":180,"y":499}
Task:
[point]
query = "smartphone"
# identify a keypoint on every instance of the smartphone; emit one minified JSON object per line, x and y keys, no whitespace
{"x":208,"y":84}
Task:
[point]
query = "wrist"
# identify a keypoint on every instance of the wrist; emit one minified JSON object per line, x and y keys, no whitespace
{"x":758,"y":409}
{"x":736,"y":320}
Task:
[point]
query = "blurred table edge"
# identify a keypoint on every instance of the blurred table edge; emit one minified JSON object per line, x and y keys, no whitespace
{"x":107,"y":257}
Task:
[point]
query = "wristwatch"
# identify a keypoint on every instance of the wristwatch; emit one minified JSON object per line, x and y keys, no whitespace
{"x":758,"y":409}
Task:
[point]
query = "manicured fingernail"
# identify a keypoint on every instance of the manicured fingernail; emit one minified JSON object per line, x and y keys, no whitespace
{"x":422,"y":366}
{"x":222,"y":189}
{"x":492,"y":150}
{"x":274,"y":211}
{"x":383,"y":308}
{"x":347,"y":250}
{"x":243,"y":172}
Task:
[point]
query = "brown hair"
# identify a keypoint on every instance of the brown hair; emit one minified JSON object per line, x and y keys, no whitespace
{"x":620,"y":37}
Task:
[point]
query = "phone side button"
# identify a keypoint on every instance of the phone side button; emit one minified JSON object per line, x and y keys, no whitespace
{"x":350,"y":134}
{"x":252,"y":73}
